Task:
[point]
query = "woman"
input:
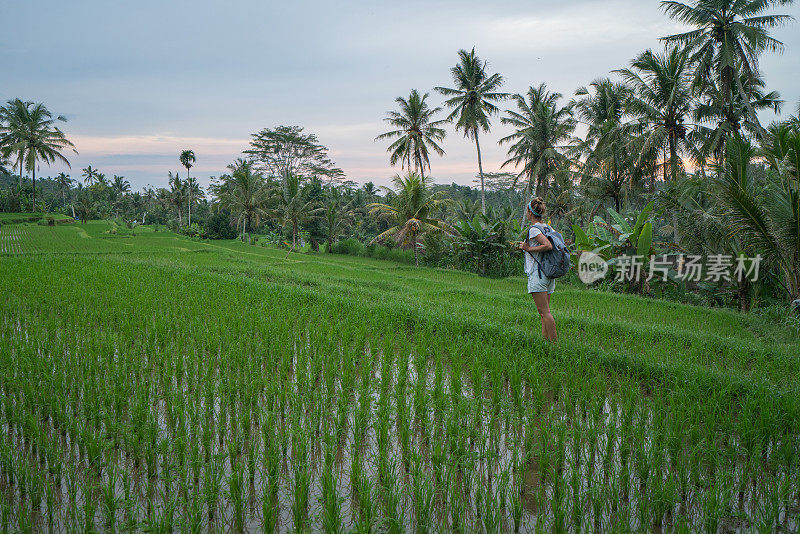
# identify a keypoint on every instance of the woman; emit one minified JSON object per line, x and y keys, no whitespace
{"x":539,"y":286}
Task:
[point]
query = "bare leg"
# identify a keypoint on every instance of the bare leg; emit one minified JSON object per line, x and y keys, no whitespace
{"x":542,"y":301}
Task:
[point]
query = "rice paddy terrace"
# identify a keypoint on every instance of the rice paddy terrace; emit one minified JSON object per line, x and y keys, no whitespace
{"x":153,"y":382}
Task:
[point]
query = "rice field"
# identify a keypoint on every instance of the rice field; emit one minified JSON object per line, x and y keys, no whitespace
{"x":150,"y":382}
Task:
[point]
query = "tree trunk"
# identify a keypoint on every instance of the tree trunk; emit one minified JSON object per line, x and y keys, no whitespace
{"x":673,"y":156}
{"x":244,"y":228}
{"x":416,"y":257}
{"x":21,"y":163}
{"x":480,"y":171}
{"x":744,"y":294}
{"x":190,"y":196}
{"x":34,"y":187}
{"x":543,"y":184}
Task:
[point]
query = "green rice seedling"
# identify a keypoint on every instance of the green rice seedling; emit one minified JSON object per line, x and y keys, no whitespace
{"x":366,"y":512}
{"x":422,"y":497}
{"x":301,"y":483}
{"x":211,"y":488}
{"x":391,"y":498}
{"x":331,"y":504}
{"x":236,"y":495}
{"x":89,"y":509}
{"x":110,"y":501}
{"x":490,"y":512}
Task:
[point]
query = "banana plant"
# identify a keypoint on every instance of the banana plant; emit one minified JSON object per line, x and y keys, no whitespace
{"x":618,"y":237}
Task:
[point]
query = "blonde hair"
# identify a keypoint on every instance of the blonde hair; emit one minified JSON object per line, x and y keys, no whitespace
{"x":537,"y":207}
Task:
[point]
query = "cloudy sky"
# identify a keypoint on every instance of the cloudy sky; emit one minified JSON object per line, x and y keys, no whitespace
{"x":142,"y":80}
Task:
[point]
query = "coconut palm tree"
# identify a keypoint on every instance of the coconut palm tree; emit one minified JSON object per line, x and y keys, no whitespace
{"x":725,"y":41}
{"x":782,"y":150}
{"x":90,"y":175}
{"x":338,"y":212}
{"x":187,"y":158}
{"x":13,"y":117}
{"x":410,"y":212}
{"x":543,"y":134}
{"x":473,"y":101}
{"x":64,"y":183}
{"x":293,"y":210}
{"x":661,"y":100}
{"x":175,"y":196}
{"x":767,"y":216}
{"x":466,"y":209}
{"x":120,"y":185}
{"x":610,"y":165}
{"x":717,"y":121}
{"x":416,"y":132}
{"x":194,"y":193}
{"x":29,"y":130}
{"x":244,"y":193}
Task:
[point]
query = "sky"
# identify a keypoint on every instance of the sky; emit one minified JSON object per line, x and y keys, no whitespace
{"x":140,"y":81}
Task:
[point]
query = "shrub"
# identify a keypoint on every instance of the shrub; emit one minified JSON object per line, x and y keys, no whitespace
{"x":193,"y":230}
{"x":218,"y":226}
{"x":350,"y":246}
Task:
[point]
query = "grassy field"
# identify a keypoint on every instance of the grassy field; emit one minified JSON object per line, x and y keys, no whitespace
{"x":153,"y":382}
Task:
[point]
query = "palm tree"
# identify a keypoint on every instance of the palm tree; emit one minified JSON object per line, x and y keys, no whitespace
{"x":187,"y":158}
{"x":84,"y":205}
{"x":13,"y":117}
{"x":176,"y":194}
{"x":543,"y":133}
{"x":120,"y":185}
{"x":337,"y":214}
{"x":661,"y":100}
{"x":466,"y":209}
{"x":717,"y":122}
{"x":64,"y":183}
{"x":90,"y":175}
{"x":194,"y":192}
{"x":410,"y":212}
{"x":29,"y":130}
{"x":472,"y":100}
{"x":782,"y":150}
{"x":415,"y":132}
{"x":243,"y":192}
{"x":292,"y":207}
{"x":768,"y":217}
{"x":610,"y":165}
{"x":725,"y":42}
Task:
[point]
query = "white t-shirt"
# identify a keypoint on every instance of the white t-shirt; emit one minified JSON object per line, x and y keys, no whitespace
{"x":530,"y":265}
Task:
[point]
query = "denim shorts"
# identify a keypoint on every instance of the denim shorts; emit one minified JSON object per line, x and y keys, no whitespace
{"x":540,"y":285}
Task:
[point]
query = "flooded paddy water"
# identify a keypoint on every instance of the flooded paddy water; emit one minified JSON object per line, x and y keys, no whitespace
{"x":390,"y":441}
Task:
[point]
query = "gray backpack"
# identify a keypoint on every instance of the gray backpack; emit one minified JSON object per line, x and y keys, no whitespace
{"x":555,"y":262}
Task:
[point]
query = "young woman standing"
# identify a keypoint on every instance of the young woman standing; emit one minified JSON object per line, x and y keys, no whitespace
{"x":539,"y":286}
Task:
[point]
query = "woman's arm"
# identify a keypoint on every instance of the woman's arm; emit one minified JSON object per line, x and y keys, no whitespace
{"x":543,"y":246}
